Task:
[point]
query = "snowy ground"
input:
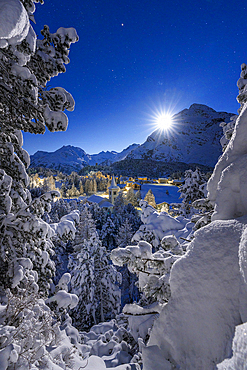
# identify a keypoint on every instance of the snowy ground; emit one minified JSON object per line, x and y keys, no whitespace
{"x":159,"y":191}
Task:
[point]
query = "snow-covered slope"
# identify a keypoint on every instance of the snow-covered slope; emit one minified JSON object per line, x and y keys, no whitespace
{"x":70,"y":158}
{"x":66,"y":158}
{"x":194,"y":138}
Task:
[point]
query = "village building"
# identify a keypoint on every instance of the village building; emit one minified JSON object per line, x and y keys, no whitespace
{"x":177,"y":182}
{"x":132,"y":184}
{"x":163,"y":180}
{"x":143,"y":180}
{"x":113,"y":190}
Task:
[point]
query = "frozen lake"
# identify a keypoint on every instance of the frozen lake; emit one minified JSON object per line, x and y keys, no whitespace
{"x":159,"y":191}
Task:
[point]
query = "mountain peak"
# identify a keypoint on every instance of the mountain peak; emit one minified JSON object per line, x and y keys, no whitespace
{"x":200,"y":107}
{"x":194,"y":139}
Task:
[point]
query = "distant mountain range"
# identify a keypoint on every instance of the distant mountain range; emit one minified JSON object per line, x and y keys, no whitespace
{"x":70,"y":158}
{"x":194,"y":138}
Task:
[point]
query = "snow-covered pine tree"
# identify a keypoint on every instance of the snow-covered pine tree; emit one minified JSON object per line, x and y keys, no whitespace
{"x":94,"y":186}
{"x":73,"y":192}
{"x":63,"y":190}
{"x":89,"y":186}
{"x":85,"y":229}
{"x":59,"y":209}
{"x":131,"y":198}
{"x":131,"y":213}
{"x":150,"y":198}
{"x":138,"y":196}
{"x":81,"y":188}
{"x":108,"y":234}
{"x":26,"y":104}
{"x":119,"y":205}
{"x":121,"y":212}
{"x":129,"y":290}
{"x":26,"y":65}
{"x":125,"y":234}
{"x":94,"y":280}
{"x":192,"y":189}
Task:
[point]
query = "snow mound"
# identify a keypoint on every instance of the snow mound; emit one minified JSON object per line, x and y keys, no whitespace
{"x":160,"y":224}
{"x":14,"y":22}
{"x":108,"y":344}
{"x":195,"y":328}
{"x":239,"y":358}
{"x":225,"y":186}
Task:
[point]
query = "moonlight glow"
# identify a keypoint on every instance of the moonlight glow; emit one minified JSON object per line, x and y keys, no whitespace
{"x":164,"y":121}
{"x":162,"y":117}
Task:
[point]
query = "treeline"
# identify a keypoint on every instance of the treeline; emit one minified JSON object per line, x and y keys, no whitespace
{"x":154,"y":169}
{"x":72,"y":185}
{"x":134,"y":168}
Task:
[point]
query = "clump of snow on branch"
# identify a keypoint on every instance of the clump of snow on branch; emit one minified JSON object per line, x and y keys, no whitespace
{"x":152,"y":269}
{"x":14,"y":22}
{"x":157,"y":225}
{"x":65,"y":228}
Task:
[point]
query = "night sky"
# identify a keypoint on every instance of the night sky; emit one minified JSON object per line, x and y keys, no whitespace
{"x":135,"y":58}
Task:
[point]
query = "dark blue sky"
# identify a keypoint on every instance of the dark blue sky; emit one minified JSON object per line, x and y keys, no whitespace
{"x":135,"y":57}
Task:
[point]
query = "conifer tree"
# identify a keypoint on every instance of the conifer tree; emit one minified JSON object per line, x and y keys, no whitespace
{"x":94,"y":186}
{"x":81,"y":188}
{"x":26,"y":104}
{"x":73,"y":192}
{"x":94,"y":280}
{"x":191,"y":190}
{"x":119,"y":204}
{"x":125,"y":234}
{"x":150,"y":198}
{"x":108,"y":234}
{"x":131,"y":198}
{"x":26,"y":65}
{"x":138,"y":196}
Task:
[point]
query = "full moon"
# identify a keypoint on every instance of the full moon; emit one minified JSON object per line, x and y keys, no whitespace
{"x":164,"y":121}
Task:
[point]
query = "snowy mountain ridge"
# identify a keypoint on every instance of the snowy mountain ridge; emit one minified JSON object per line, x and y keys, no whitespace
{"x":194,"y":138}
{"x":70,"y":158}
